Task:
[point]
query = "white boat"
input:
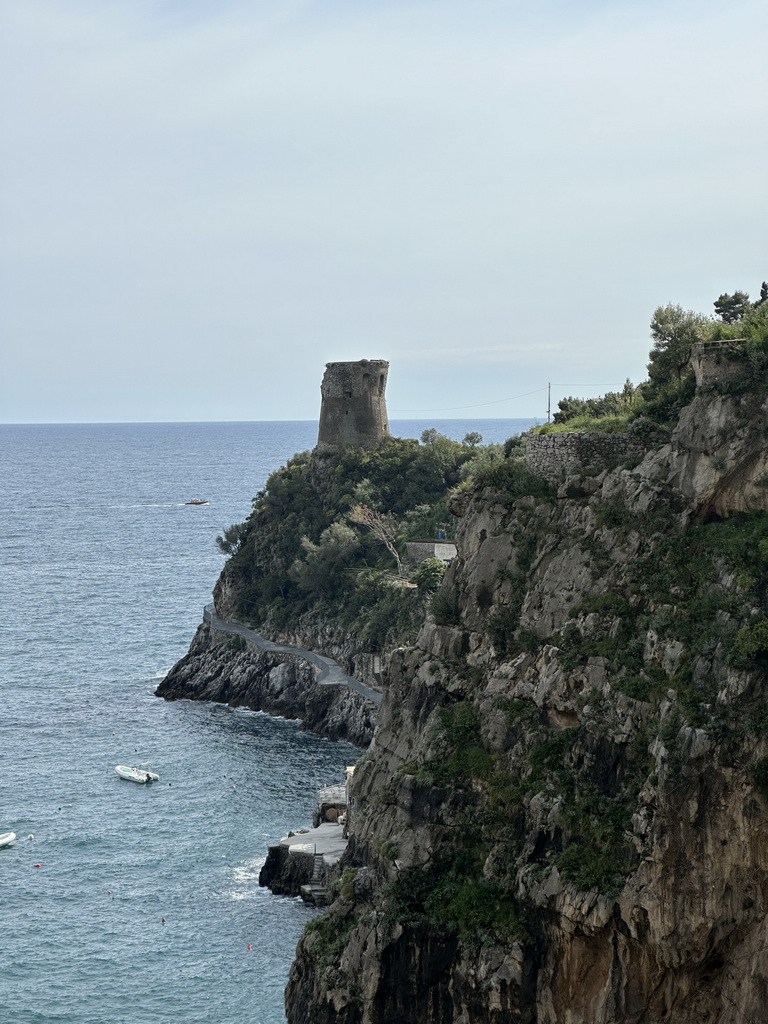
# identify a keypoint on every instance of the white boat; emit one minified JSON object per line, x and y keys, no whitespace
{"x":6,"y":838}
{"x":136,"y":774}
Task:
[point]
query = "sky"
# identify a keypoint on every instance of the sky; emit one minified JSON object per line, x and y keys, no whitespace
{"x":204,"y":202}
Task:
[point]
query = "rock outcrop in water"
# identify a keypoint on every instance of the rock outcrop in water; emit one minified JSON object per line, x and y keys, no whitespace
{"x":563,"y":816}
{"x":227,"y":669}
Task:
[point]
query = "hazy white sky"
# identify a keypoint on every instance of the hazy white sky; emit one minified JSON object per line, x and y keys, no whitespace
{"x":204,"y":201}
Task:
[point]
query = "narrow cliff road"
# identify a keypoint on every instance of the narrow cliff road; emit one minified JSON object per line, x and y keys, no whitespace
{"x":330,"y":673}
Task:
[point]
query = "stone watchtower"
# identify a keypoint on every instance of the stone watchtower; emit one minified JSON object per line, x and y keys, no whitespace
{"x":354,"y":410}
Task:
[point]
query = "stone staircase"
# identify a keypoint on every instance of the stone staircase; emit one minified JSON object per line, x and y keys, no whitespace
{"x":316,"y":891}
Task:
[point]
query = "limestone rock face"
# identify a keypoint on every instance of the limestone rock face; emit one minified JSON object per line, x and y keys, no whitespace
{"x":718,"y":457}
{"x":558,"y":820}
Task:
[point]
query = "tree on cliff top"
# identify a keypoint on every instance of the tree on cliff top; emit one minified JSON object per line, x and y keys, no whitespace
{"x":731,"y":308}
{"x":673,"y":330}
{"x":670,"y":379}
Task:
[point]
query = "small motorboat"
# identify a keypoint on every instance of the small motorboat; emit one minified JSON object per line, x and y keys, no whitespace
{"x":139,"y":774}
{"x":6,"y":838}
{"x":197,"y":501}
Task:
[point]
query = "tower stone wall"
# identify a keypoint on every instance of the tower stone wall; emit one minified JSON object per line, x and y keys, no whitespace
{"x":718,"y":362}
{"x":354,"y":409}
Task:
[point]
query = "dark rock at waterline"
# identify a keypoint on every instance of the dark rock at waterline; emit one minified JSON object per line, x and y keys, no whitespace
{"x":284,"y":872}
{"x":225,"y":668}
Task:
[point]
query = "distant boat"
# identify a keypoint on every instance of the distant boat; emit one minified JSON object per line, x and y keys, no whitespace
{"x":6,"y":838}
{"x":136,"y":774}
{"x":197,"y":501}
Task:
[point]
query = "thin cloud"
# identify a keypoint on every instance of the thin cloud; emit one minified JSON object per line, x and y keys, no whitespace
{"x":487,"y":184}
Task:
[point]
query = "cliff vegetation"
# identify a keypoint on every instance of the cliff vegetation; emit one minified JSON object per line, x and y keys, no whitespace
{"x":656,"y":403}
{"x":324,"y":544}
{"x":562,"y":817}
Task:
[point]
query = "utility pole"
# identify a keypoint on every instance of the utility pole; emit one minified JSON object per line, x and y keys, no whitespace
{"x":549,"y":401}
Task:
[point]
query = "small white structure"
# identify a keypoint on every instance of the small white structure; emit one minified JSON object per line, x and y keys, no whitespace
{"x":418,"y":550}
{"x":330,"y":803}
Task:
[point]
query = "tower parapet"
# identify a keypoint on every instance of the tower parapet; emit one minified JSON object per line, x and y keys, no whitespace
{"x":354,"y":409}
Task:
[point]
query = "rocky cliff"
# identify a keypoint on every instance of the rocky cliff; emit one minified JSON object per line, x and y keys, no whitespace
{"x":304,"y":572}
{"x":562,"y":816}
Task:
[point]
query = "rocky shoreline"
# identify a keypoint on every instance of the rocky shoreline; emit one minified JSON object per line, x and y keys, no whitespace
{"x":228,"y":669}
{"x":305,"y":863}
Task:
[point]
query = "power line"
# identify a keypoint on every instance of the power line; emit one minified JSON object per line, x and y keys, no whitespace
{"x":514,"y":398}
{"x":479,"y":405}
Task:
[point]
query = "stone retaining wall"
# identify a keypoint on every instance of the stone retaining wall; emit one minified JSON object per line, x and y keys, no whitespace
{"x":552,"y":456}
{"x":418,"y":550}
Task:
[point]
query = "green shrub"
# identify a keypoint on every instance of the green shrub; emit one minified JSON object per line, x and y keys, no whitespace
{"x":757,"y":721}
{"x":584,"y":423}
{"x":670,"y":729}
{"x":593,"y":857}
{"x":641,"y":686}
{"x":519,"y":710}
{"x":460,"y":723}
{"x":483,"y":460}
{"x":613,"y":404}
{"x":444,"y":607}
{"x":501,"y":625}
{"x":752,"y":640}
{"x":429,"y":575}
{"x":609,"y":602}
{"x":513,"y":479}
{"x":514,"y":447}
{"x":320,"y":569}
{"x":332,"y":935}
{"x":467,"y":758}
{"x":665,"y":400}
{"x":760,"y":776}
{"x":528,"y":641}
{"x":347,"y":888}
{"x":231,"y":538}
{"x":479,"y":909}
{"x":613,"y":513}
{"x":590,"y":868}
{"x":451,"y":893}
{"x":549,"y":754}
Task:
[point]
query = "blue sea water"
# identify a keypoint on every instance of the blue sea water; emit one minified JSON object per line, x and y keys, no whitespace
{"x":137,"y":904}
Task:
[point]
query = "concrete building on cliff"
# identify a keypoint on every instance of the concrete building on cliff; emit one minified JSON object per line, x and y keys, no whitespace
{"x":354,"y":409}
